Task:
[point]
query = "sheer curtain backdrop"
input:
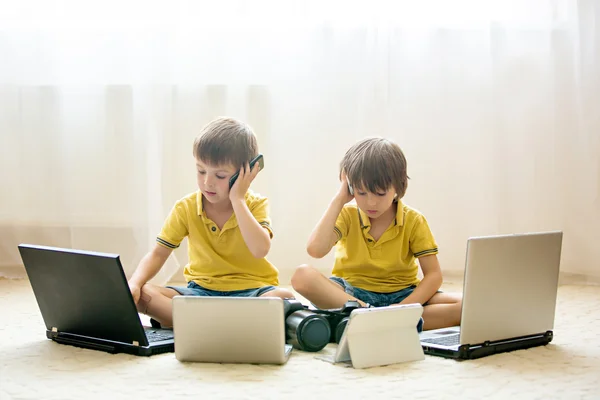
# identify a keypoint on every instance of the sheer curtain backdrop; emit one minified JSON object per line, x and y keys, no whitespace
{"x":495,"y":103}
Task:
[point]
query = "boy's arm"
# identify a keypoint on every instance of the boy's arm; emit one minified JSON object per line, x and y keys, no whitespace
{"x":150,"y":265}
{"x":256,"y":237}
{"x":431,"y":282}
{"x":323,"y":237}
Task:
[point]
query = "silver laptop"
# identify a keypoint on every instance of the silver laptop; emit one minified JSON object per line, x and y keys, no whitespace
{"x":230,"y":330}
{"x":509,"y":297}
{"x":381,"y":336}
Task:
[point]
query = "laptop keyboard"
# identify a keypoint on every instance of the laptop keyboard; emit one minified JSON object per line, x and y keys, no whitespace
{"x":157,"y":336}
{"x":447,"y":340}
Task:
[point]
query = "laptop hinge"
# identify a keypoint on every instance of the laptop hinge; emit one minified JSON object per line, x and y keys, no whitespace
{"x":136,"y":343}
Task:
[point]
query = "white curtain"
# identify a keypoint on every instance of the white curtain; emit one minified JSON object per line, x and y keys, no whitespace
{"x":496,"y":105}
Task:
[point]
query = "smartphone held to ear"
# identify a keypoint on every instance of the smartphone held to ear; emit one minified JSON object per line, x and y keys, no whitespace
{"x":350,"y":189}
{"x":258,"y":159}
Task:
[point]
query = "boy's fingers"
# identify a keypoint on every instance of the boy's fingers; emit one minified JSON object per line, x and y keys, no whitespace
{"x":247,"y":172}
{"x":343,"y":177}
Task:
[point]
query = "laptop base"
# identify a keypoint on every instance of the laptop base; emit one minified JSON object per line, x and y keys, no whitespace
{"x":109,"y":346}
{"x":471,"y":352}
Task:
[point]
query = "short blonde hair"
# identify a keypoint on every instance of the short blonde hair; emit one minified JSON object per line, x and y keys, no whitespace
{"x":376,"y":164}
{"x":226,"y":140}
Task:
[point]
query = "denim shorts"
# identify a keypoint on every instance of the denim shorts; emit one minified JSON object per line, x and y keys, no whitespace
{"x":193,"y":289}
{"x":377,"y":299}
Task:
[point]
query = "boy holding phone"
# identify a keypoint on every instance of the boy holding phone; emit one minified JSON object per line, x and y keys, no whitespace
{"x":227,"y":225}
{"x":380,"y":242}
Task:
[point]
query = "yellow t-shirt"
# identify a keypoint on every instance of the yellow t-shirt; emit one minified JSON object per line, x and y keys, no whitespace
{"x":388,"y":264}
{"x":218,"y":259}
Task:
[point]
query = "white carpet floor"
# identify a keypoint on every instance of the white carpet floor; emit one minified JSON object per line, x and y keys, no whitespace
{"x":33,"y":367}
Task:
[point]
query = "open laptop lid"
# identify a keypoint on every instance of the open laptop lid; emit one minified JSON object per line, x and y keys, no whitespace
{"x":229,"y":329}
{"x":83,"y":293}
{"x":381,"y":336}
{"x":510,"y":286}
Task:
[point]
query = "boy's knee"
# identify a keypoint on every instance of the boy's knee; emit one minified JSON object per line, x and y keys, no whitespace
{"x":458,"y":307}
{"x":285,"y":294}
{"x":147,"y":292}
{"x":456,"y":312}
{"x":302,"y":278}
{"x":279,"y":292}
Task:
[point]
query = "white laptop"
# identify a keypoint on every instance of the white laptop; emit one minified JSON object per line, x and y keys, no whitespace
{"x":380,"y":336}
{"x":509,"y":297}
{"x":230,"y":330}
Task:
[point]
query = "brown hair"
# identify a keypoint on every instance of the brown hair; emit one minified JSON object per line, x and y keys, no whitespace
{"x":226,"y":140}
{"x":376,"y":164}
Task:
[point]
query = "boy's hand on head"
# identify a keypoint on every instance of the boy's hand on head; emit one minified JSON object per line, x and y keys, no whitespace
{"x":242,"y":183}
{"x":343,"y":193}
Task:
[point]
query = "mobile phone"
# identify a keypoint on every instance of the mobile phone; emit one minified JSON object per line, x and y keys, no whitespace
{"x":261,"y":163}
{"x":350,"y":189}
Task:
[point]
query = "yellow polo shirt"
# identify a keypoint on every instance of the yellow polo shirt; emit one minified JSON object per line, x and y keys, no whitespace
{"x":219,"y":259}
{"x":388,"y":264}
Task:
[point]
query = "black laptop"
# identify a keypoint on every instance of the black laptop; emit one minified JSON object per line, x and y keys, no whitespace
{"x":85,"y":301}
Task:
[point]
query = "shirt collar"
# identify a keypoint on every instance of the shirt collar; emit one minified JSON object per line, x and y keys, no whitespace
{"x":199,"y":202}
{"x":365,"y":221}
{"x":230,"y":223}
{"x":200,"y":198}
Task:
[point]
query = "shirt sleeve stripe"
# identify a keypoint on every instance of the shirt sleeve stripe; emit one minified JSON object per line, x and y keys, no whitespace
{"x":166,"y":244}
{"x":266,"y":225}
{"x":338,"y":233}
{"x":425,"y":252}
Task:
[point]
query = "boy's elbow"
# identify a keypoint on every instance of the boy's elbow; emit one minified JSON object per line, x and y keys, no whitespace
{"x":260,"y":254}
{"x":315,"y":252}
{"x":262,"y":251}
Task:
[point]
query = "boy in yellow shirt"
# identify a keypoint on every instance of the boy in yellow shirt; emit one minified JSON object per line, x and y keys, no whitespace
{"x":229,"y":230}
{"x":378,"y":241}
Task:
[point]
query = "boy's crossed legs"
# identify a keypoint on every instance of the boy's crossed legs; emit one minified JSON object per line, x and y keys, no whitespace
{"x":442,"y":310}
{"x":157,"y":301}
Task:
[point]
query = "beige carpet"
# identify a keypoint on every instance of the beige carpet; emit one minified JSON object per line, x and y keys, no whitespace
{"x":33,"y":367}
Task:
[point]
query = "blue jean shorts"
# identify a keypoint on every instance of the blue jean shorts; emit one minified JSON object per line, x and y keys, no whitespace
{"x":377,"y":299}
{"x":193,"y":289}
